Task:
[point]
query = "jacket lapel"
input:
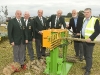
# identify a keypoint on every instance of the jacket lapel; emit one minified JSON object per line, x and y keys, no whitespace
{"x":44,"y":21}
{"x":28,"y":23}
{"x":73,"y":23}
{"x":54,"y":18}
{"x":16,"y":22}
{"x":39,"y":22}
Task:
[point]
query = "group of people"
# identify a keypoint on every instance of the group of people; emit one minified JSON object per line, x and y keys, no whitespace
{"x":87,"y":28}
{"x":23,"y":31}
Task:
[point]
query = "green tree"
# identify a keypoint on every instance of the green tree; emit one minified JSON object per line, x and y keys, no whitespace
{"x":81,"y":13}
{"x":69,"y":14}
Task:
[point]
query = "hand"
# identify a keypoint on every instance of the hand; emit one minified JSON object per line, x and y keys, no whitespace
{"x":40,"y":32}
{"x":26,"y":41}
{"x":33,"y":40}
{"x":78,"y":34}
{"x":88,"y":40}
{"x":67,"y":25}
{"x":48,"y":28}
{"x":12,"y":44}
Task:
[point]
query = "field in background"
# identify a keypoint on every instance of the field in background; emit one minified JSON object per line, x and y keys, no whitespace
{"x":6,"y":57}
{"x":67,"y":19}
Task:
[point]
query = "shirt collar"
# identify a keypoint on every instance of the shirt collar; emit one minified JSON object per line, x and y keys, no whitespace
{"x":88,"y":18}
{"x":57,"y":17}
{"x":75,"y":17}
{"x":39,"y":17}
{"x":26,"y":19}
{"x":18,"y":19}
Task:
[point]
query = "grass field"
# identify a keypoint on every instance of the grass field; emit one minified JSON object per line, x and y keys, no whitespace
{"x":6,"y":57}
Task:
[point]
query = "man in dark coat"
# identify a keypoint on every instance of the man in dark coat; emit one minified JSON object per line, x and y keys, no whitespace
{"x":76,"y":24}
{"x":90,"y":31}
{"x":40,"y":24}
{"x":56,"y":21}
{"x":30,"y":32}
{"x":17,"y":37}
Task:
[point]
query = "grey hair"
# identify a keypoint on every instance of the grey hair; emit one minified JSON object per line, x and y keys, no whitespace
{"x":88,"y":9}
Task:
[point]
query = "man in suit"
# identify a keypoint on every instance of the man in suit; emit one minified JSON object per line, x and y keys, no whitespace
{"x":56,"y":21}
{"x":76,"y":24}
{"x":90,"y":30}
{"x":17,"y":37}
{"x":30,"y":32}
{"x":40,"y":24}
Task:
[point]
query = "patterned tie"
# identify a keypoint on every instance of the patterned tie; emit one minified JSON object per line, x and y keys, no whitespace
{"x":41,"y":21}
{"x":20,"y":24}
{"x":25,"y":22}
{"x":56,"y":21}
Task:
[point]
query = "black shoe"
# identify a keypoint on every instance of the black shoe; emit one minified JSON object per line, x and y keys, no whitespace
{"x":80,"y":59}
{"x":84,"y":67}
{"x":24,"y":60}
{"x":39,"y":58}
{"x":87,"y":73}
{"x":44,"y":55}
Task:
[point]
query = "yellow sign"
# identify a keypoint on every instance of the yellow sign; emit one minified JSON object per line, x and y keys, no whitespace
{"x":52,"y":37}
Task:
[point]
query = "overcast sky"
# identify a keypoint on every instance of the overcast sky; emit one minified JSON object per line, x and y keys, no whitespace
{"x":50,"y":6}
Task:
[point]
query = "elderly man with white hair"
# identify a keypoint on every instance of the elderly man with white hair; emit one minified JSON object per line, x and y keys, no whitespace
{"x":76,"y":24}
{"x":40,"y":24}
{"x":30,"y":32}
{"x":18,"y":37}
{"x":56,"y":21}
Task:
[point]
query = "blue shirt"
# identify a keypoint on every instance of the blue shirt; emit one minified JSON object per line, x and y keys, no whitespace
{"x":84,"y":26}
{"x":75,"y":21}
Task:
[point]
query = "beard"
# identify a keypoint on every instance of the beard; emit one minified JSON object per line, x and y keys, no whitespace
{"x":74,"y":16}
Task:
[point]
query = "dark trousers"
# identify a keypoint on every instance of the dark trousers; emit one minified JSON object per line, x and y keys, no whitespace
{"x":78,"y":48}
{"x":19,"y":53}
{"x":29,"y":46}
{"x":39,"y":49}
{"x":88,"y":51}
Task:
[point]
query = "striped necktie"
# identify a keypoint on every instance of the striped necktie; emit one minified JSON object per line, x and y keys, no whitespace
{"x":41,"y":20}
{"x":20,"y":24}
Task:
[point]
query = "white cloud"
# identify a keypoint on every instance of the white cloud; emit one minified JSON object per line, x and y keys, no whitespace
{"x":50,"y":6}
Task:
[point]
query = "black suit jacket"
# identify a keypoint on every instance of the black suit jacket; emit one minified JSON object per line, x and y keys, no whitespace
{"x":15,"y":33}
{"x":78,"y":27}
{"x":58,"y":25}
{"x":39,"y":27}
{"x":30,"y":29}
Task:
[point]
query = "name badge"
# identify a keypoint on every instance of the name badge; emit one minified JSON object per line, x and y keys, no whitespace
{"x":29,"y":27}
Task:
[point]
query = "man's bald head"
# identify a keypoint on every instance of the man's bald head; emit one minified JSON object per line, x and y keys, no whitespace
{"x":26,"y":15}
{"x":74,"y":13}
{"x":40,"y":12}
{"x":18,"y":14}
{"x":59,"y":13}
